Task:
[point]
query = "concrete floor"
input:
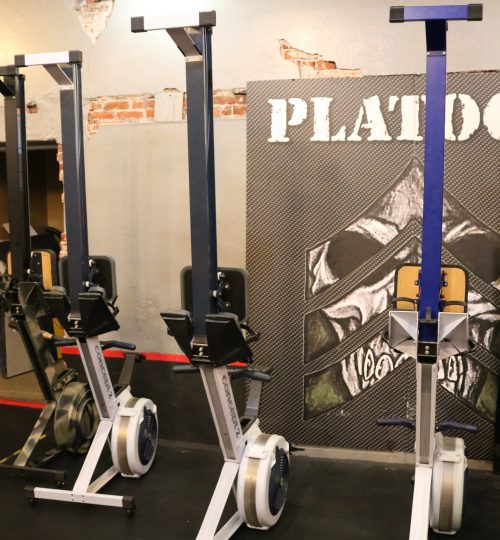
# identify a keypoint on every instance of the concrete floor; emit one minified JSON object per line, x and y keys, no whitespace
{"x":21,"y":387}
{"x":327,"y":499}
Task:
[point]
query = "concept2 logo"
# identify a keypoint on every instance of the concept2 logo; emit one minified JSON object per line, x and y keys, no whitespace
{"x":232,"y":409}
{"x":104,"y":371}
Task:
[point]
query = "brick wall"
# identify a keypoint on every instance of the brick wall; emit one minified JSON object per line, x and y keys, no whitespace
{"x":141,"y":108}
{"x":93,"y":15}
{"x":228,"y":103}
{"x":120,"y":110}
{"x":313,"y":65}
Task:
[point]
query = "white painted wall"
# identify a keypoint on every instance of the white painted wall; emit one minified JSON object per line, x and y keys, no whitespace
{"x":137,"y":174}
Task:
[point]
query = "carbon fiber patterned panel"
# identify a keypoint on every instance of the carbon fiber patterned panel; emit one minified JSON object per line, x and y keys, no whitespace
{"x":307,"y":202}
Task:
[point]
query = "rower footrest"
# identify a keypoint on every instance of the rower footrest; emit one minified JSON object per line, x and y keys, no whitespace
{"x":180,"y":326}
{"x":96,"y":316}
{"x":226,"y":342}
{"x":59,"y":305}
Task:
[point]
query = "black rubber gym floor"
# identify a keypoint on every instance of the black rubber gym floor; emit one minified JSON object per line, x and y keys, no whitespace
{"x":327,"y":499}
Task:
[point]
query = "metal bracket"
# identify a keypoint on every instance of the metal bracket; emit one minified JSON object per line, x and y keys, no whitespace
{"x":403,"y":331}
{"x":54,"y":64}
{"x":453,"y":334}
{"x":184,"y":41}
{"x":59,"y":75}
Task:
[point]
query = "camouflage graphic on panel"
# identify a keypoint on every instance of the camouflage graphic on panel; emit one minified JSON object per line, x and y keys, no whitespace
{"x":335,"y":180}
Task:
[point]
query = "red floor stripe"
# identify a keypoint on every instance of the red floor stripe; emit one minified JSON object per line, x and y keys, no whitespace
{"x":26,"y":404}
{"x":73,"y":351}
{"x":150,"y":356}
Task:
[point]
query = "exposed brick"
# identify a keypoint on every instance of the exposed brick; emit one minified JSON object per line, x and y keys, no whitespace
{"x":139,"y":103}
{"x":102,"y":115}
{"x":140,"y":108}
{"x":93,"y":15}
{"x":116,"y":105}
{"x":325,"y":64}
{"x":312,"y":65}
{"x":295,"y":54}
{"x":224,"y":99}
{"x":115,"y":109}
{"x":130,"y":115}
{"x":307,"y":63}
{"x":240,"y":109}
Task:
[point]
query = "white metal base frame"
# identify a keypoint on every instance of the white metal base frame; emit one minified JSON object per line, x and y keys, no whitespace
{"x":84,"y":491}
{"x":217,"y":504}
{"x":111,"y":407}
{"x":419,"y":528}
{"x":239,"y":449}
{"x":439,"y":490}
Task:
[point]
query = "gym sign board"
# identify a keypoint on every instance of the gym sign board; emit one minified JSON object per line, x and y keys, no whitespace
{"x":334,"y":198}
{"x":370,"y":125}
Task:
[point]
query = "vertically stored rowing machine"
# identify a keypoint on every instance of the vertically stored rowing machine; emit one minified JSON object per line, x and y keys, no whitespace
{"x":429,"y":321}
{"x":209,"y":329}
{"x":129,"y":424}
{"x":69,"y":403}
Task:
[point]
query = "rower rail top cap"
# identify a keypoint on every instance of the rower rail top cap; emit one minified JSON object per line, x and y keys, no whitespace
{"x":461,"y":12}
{"x":169,"y":22}
{"x":9,"y":70}
{"x":48,"y":59}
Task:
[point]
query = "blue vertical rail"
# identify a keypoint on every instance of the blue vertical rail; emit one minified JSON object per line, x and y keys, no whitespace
{"x":436,"y":23}
{"x":432,"y":222}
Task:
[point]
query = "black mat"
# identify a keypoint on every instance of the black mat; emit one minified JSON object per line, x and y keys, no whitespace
{"x":327,"y":499}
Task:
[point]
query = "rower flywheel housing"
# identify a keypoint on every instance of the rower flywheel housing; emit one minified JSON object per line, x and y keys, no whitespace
{"x":263,"y":480}
{"x":448,"y":475}
{"x":134,"y":437}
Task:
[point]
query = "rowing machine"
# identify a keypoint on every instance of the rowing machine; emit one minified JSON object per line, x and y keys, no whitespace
{"x":210,"y":328}
{"x":86,"y":308}
{"x":429,"y":321}
{"x":21,"y":292}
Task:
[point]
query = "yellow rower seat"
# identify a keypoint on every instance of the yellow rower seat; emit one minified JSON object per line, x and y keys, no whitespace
{"x":453,"y":290}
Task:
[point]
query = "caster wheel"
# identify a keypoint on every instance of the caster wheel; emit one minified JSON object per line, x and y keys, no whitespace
{"x":134,"y":437}
{"x":130,"y":512}
{"x":263,"y":480}
{"x":59,"y":484}
{"x":447,"y":492}
{"x":33,"y":501}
